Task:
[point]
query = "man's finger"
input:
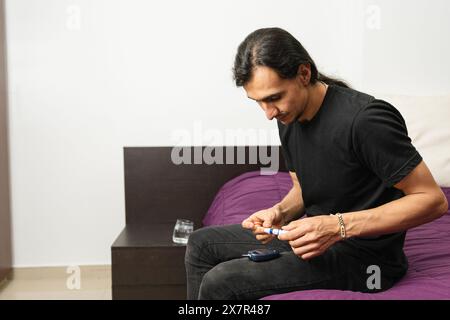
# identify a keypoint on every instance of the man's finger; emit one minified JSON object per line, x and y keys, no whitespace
{"x":247,"y":224}
{"x":301,"y":242}
{"x":300,"y":251}
{"x":267,"y":240}
{"x":258,"y":229}
{"x":311,"y":255}
{"x":267,"y":224}
{"x":262,"y":237}
{"x":289,"y":227}
{"x":291,"y":234}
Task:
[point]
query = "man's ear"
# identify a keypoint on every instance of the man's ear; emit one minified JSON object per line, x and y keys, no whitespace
{"x":304,"y":74}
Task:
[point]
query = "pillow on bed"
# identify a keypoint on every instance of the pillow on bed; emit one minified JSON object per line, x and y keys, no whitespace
{"x":246,"y":194}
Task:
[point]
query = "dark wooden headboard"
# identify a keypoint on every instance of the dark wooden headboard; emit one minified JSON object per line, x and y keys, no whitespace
{"x":159,"y":191}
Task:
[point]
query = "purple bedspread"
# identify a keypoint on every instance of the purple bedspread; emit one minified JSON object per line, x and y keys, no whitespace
{"x":427,"y":246}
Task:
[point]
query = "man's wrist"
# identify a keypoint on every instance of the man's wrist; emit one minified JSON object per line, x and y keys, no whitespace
{"x":339,"y":228}
{"x":279,"y":207}
{"x":282,"y":211}
{"x":287,"y":212}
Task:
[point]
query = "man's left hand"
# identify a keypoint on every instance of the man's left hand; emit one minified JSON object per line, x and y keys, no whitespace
{"x":310,"y":237}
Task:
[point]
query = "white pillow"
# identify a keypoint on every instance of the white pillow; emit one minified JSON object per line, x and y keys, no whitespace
{"x":428,"y":123}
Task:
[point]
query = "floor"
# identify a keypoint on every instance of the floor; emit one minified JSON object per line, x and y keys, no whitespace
{"x":58,"y":283}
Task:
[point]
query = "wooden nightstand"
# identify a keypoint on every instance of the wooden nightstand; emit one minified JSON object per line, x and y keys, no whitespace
{"x":146,"y":264}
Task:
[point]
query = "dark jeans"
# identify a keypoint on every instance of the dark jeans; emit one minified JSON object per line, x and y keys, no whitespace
{"x":215,"y":268}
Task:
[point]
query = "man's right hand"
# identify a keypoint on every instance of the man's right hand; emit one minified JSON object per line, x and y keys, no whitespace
{"x":267,"y":218}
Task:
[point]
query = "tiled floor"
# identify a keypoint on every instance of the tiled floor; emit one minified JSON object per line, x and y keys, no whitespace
{"x":57,"y":283}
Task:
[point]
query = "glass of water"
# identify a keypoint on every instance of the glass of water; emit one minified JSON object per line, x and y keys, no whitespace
{"x":183,"y":228}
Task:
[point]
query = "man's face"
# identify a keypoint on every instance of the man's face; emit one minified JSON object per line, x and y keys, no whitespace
{"x":283,"y":99}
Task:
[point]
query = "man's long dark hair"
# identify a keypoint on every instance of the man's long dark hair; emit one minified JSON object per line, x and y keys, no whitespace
{"x":279,"y":50}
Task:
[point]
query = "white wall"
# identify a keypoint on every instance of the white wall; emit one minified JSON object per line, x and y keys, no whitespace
{"x":87,"y":77}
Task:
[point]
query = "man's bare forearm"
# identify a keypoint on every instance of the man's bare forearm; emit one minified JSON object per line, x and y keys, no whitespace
{"x":398,"y":215}
{"x":292,"y":206}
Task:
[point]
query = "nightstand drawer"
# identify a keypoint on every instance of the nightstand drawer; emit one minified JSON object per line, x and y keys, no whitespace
{"x":149,"y":292}
{"x":149,"y":266}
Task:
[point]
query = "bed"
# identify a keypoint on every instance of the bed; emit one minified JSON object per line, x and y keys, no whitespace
{"x":146,"y":265}
{"x":426,"y":246}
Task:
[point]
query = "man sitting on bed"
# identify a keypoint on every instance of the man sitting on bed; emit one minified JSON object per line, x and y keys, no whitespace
{"x":356,"y":176}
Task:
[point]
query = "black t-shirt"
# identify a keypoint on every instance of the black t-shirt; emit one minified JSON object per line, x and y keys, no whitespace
{"x":347,"y":158}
